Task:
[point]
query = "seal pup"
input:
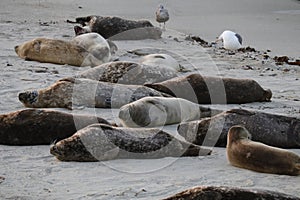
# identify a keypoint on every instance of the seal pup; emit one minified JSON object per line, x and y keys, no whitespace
{"x":127,"y":72}
{"x":159,"y":111}
{"x":275,"y":130}
{"x":229,"y":193}
{"x":162,"y":15}
{"x":72,"y":92}
{"x":112,"y":26}
{"x":161,"y":60}
{"x":41,"y":127}
{"x":245,"y":153}
{"x":99,"y":142}
{"x":231,"y":40}
{"x":215,"y":90}
{"x":96,"y":45}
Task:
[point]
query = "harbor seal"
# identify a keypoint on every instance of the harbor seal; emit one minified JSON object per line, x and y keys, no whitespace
{"x":245,"y":153}
{"x":52,"y":51}
{"x":275,"y":130}
{"x":161,"y":60}
{"x":71,"y":92}
{"x":229,"y":193}
{"x":99,"y":142}
{"x":85,"y":50}
{"x":127,"y":72}
{"x":96,"y":45}
{"x":41,"y":127}
{"x":116,"y":28}
{"x":159,"y":111}
{"x":206,"y":89}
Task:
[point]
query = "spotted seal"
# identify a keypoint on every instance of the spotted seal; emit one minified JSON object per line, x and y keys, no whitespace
{"x":72,"y":92}
{"x":116,"y":28}
{"x":229,"y":193}
{"x":275,"y":130}
{"x":99,"y":142}
{"x":127,"y":72}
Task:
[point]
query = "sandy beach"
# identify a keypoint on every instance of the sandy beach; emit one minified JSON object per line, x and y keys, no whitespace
{"x":31,"y":172}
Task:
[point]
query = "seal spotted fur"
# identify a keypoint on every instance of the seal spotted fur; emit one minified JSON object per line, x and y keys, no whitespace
{"x":103,"y":142}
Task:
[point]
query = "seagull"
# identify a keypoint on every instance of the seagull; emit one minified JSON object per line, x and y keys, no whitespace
{"x":231,"y":40}
{"x":162,"y":15}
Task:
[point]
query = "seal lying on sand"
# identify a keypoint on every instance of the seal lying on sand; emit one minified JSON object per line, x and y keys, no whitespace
{"x":117,"y":28}
{"x":97,"y":47}
{"x":256,"y":156}
{"x":206,"y":90}
{"x":126,"y":72}
{"x":70,"y":92}
{"x":274,"y":130}
{"x":41,"y":127}
{"x":103,"y":142}
{"x":229,"y":193}
{"x":86,"y":50}
{"x":159,"y":111}
{"x":162,"y":60}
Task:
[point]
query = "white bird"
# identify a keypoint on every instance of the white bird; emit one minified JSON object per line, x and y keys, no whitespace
{"x":231,"y":40}
{"x":162,"y":15}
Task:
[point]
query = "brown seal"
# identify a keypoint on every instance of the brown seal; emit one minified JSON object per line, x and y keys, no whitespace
{"x":71,"y":92}
{"x":52,"y":51}
{"x":103,"y":142}
{"x":229,"y":193}
{"x":117,"y":28}
{"x":275,"y":130}
{"x":41,"y":127}
{"x":127,"y":72}
{"x":256,"y":156}
{"x":206,"y":89}
{"x":85,"y":50}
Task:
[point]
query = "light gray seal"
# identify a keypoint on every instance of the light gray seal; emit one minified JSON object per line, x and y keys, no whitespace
{"x":159,"y":111}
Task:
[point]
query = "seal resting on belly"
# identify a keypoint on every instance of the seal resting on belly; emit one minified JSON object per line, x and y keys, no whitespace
{"x":99,"y":142}
{"x":213,"y":90}
{"x":275,"y":130}
{"x":244,"y":153}
{"x":72,"y":92}
{"x":41,"y":127}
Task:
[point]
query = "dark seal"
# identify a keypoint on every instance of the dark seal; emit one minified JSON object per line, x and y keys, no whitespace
{"x":103,"y":142}
{"x":274,"y":130}
{"x":229,"y":193}
{"x":41,"y":127}
{"x":117,"y":28}
{"x":206,"y":89}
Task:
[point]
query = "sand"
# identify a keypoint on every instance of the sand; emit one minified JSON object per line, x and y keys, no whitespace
{"x":33,"y":173}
